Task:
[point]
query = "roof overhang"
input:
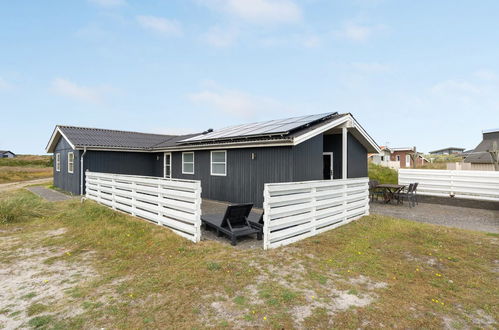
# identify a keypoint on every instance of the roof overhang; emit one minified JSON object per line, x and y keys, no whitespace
{"x":56,"y":135}
{"x":354,"y":127}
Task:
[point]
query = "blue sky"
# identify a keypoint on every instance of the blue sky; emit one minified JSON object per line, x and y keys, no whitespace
{"x":423,"y":73}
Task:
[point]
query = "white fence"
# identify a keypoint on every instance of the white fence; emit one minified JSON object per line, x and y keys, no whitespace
{"x":175,"y":204}
{"x":481,"y":185}
{"x":297,"y":210}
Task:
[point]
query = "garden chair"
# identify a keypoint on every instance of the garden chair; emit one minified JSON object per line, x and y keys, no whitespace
{"x":234,"y":223}
{"x":373,"y":190}
{"x":256,"y":221}
{"x":415,"y":192}
{"x":406,"y":194}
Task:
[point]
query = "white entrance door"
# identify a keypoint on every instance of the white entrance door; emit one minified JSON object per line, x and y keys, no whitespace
{"x":407,"y":160}
{"x":167,"y":171}
{"x":327,"y":159}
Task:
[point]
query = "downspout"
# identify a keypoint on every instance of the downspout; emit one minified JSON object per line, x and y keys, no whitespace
{"x":81,"y":169}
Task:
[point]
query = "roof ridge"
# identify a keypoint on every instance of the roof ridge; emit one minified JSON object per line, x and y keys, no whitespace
{"x":115,"y":130}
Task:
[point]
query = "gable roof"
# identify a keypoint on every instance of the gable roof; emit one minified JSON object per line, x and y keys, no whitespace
{"x":289,"y":132}
{"x":481,"y":154}
{"x":6,"y":151}
{"x":98,"y":138}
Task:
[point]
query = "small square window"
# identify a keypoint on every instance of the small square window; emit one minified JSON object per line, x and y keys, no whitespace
{"x":219,"y":163}
{"x":187,"y":163}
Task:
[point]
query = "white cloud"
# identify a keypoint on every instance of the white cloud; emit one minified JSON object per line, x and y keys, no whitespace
{"x":221,"y":37}
{"x":160,"y":25}
{"x":312,"y":41}
{"x":82,"y":93}
{"x":485,"y":75}
{"x":258,"y":11}
{"x":236,"y":103}
{"x":108,"y":3}
{"x":357,"y":32}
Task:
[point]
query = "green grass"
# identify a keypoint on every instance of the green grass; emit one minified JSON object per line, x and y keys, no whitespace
{"x":382,"y":174}
{"x":160,"y":280}
{"x":27,"y":161}
{"x":21,"y":207}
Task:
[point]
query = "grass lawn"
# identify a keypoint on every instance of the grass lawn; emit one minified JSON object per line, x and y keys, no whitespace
{"x":75,"y":265}
{"x":25,"y":167}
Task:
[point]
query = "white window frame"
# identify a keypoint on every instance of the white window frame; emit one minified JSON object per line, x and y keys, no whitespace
{"x":218,"y":163}
{"x":72,"y":162}
{"x":57,"y":162}
{"x":164,"y":165}
{"x":193,"y":162}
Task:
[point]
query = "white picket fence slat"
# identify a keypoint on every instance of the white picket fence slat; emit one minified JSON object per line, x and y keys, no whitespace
{"x":480,"y":185}
{"x":296,"y":210}
{"x":172,"y":203}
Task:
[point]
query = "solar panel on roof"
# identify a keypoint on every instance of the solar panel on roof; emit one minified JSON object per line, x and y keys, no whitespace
{"x":254,"y":129}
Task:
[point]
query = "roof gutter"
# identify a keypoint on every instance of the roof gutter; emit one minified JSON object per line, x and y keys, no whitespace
{"x":81,"y":169}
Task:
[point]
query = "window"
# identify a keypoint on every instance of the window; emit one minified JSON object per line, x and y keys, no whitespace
{"x":168,"y":165}
{"x":382,"y":158}
{"x":219,"y":163}
{"x":58,"y":162}
{"x":187,"y":163}
{"x":398,"y":158}
{"x":71,"y":162}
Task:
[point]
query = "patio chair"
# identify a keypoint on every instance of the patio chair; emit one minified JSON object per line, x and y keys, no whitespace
{"x":406,"y":194}
{"x":256,"y":221}
{"x":374,"y":191}
{"x":416,"y":192}
{"x":233,"y":223}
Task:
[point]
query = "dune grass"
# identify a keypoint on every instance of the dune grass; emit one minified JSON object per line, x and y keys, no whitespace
{"x":24,"y":168}
{"x":382,"y":174}
{"x":410,"y":275}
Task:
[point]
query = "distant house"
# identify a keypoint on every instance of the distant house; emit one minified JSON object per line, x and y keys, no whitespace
{"x":397,"y":158}
{"x":486,"y":154}
{"x":233,"y":163}
{"x":7,"y":154}
{"x":447,"y":151}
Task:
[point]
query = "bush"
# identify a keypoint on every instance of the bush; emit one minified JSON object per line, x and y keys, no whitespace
{"x":20,"y":207}
{"x":382,"y":174}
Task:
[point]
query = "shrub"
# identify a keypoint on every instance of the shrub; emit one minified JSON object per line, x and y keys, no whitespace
{"x":382,"y":174}
{"x":20,"y":207}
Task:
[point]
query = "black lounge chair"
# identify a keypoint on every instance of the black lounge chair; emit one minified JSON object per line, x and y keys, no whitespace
{"x":256,"y":221}
{"x":407,"y":194}
{"x":234,"y":223}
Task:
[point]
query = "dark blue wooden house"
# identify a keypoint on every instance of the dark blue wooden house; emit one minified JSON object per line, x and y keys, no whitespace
{"x":232,"y":163}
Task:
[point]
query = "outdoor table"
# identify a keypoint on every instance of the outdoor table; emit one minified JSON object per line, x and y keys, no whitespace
{"x":390,"y":190}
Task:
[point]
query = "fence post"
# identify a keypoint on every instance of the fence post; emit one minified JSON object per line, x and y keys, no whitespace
{"x":113,"y":189}
{"x":345,"y":186}
{"x":134,"y":191}
{"x":451,"y":183}
{"x":314,"y":209}
{"x":198,"y":212}
{"x":266,"y":217}
{"x":366,"y":186}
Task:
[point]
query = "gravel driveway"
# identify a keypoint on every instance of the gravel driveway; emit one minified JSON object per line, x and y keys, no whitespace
{"x":445,"y":215}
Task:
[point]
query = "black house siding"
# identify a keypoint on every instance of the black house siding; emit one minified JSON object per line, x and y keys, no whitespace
{"x":118,"y":162}
{"x":69,"y":182}
{"x":245,"y":176}
{"x":307,"y":160}
{"x":357,"y":156}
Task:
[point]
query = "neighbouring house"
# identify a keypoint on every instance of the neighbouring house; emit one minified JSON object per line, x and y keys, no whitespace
{"x":383,"y":158}
{"x":233,"y":164}
{"x":403,"y":156}
{"x":7,"y":154}
{"x":486,"y":155}
{"x":397,"y":158}
{"x":448,"y":151}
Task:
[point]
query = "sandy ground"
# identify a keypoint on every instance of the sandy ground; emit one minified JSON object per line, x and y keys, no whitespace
{"x":28,"y":280}
{"x":21,"y":184}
